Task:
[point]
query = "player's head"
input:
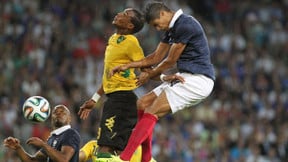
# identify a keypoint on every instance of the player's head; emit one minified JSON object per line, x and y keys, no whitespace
{"x":158,"y":15}
{"x":130,"y":19}
{"x":60,"y":116}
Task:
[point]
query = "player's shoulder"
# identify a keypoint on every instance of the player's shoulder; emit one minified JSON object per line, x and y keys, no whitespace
{"x":132,"y":37}
{"x":72,"y":132}
{"x":90,"y":145}
{"x":128,"y":40}
{"x":187,"y":23}
{"x":92,"y":142}
{"x":185,"y":19}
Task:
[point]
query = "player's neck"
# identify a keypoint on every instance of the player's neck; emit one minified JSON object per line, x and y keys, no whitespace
{"x":123,"y":31}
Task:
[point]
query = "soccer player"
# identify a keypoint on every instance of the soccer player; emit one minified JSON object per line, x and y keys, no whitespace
{"x":119,"y":112}
{"x":186,"y":44}
{"x":62,"y":145}
{"x":89,"y":151}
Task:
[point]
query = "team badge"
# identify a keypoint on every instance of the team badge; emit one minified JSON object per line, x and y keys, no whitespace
{"x":54,"y":143}
{"x":121,"y":39}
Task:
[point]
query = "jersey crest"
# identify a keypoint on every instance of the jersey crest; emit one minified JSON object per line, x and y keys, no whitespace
{"x":120,"y":39}
{"x":54,"y":143}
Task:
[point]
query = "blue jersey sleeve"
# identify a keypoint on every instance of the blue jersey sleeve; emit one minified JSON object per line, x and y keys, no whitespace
{"x":165,"y":38}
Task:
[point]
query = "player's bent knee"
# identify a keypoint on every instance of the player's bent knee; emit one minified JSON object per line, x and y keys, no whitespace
{"x":140,"y":104}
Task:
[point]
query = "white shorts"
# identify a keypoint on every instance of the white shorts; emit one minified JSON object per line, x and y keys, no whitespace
{"x":182,"y":95}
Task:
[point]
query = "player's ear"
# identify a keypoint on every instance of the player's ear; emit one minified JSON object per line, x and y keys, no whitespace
{"x":162,"y":13}
{"x":130,"y":26}
{"x":69,"y":119}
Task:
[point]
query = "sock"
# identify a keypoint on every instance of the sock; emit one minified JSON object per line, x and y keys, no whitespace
{"x":140,"y":114}
{"x":147,"y":144}
{"x":147,"y":148}
{"x":141,"y":131}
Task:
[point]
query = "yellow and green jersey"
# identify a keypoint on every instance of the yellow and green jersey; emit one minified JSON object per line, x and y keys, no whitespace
{"x":90,"y":152}
{"x":136,"y":157}
{"x":121,"y":49}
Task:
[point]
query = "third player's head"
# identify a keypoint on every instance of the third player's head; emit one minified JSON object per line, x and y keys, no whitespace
{"x":129,"y":21}
{"x":158,"y":15}
{"x":60,"y":116}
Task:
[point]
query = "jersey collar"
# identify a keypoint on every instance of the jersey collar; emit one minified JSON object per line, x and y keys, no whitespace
{"x":60,"y":130}
{"x":175,"y":17}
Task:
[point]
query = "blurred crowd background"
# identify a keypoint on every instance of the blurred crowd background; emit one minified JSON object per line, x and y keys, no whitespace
{"x":54,"y":48}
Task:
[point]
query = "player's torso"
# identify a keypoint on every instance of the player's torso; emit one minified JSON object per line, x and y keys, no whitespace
{"x":119,"y":50}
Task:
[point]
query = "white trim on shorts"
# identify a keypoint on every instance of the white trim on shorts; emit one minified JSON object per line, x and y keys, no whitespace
{"x":196,"y":87}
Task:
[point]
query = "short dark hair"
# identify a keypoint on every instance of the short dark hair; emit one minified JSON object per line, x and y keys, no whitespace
{"x":137,"y":20}
{"x":152,"y":10}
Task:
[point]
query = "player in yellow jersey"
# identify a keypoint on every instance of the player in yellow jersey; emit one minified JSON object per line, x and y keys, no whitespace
{"x":119,"y":114}
{"x":89,"y":150}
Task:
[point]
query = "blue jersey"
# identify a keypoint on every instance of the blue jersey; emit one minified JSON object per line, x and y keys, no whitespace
{"x":195,"y":58}
{"x":69,"y":137}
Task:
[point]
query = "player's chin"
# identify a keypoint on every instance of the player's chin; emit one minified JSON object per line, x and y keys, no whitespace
{"x":114,"y":22}
{"x":58,"y":123}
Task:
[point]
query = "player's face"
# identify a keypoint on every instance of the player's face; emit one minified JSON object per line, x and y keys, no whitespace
{"x":123,"y":19}
{"x":161,"y":23}
{"x":60,"y":116}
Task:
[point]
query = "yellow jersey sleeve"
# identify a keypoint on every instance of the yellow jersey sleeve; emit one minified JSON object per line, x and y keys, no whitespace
{"x":137,"y":156}
{"x":121,"y":49}
{"x":90,"y":150}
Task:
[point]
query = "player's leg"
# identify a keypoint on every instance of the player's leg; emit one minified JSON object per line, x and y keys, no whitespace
{"x":145,"y":126}
{"x":118,"y":119}
{"x":147,"y":100}
{"x":159,"y":111}
{"x":174,"y":98}
{"x":142,"y":103}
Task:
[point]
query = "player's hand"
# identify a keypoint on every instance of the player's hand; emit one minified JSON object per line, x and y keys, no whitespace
{"x":12,"y":143}
{"x":35,"y":141}
{"x":86,"y":108}
{"x":173,"y":78}
{"x":142,"y":78}
{"x":118,"y":69}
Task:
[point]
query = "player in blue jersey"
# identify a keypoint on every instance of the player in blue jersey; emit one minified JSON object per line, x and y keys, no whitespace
{"x":62,"y":145}
{"x":186,"y":44}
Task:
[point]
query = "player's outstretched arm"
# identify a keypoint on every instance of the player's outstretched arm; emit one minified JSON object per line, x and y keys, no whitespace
{"x":171,"y":78}
{"x":144,"y":77}
{"x":152,"y":59}
{"x":88,"y":105}
{"x":86,"y":108}
{"x":173,"y":55}
{"x":14,"y":144}
{"x":64,"y":155}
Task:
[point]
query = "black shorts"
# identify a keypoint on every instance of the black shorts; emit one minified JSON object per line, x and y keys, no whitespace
{"x":118,"y":119}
